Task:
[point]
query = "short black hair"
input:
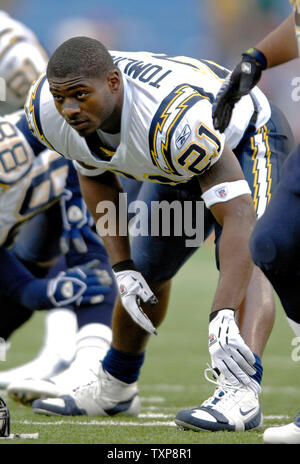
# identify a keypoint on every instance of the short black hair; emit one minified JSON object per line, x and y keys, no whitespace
{"x":80,"y":56}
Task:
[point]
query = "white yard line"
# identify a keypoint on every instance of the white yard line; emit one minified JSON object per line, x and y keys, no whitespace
{"x":102,"y":423}
{"x":109,"y":422}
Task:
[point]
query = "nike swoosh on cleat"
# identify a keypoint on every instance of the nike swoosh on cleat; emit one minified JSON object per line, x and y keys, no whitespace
{"x":244,"y":413}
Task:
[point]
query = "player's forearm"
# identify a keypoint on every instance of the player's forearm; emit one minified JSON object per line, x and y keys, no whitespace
{"x":280,"y":45}
{"x":234,"y":257}
{"x":106,"y":188}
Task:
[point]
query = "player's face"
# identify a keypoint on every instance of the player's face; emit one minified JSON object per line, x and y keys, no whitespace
{"x":88,"y":104}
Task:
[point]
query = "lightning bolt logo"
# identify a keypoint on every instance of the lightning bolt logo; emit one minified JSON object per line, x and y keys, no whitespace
{"x":165,"y":121}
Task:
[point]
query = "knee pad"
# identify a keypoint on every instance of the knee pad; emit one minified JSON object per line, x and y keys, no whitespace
{"x":271,"y":253}
{"x":263,"y":250}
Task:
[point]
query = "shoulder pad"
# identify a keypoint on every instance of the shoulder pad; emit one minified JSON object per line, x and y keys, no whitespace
{"x":32,"y":110}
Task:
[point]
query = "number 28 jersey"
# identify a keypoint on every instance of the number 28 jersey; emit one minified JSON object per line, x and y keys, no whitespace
{"x":167,"y":133}
{"x":31,"y":178}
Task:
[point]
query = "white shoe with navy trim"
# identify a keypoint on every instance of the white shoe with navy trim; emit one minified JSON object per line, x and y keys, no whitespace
{"x":105,"y":396}
{"x":232,"y":408}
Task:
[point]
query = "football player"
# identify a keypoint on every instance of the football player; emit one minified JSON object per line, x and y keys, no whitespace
{"x":32,"y":180}
{"x":22,"y":59}
{"x":275,"y":239}
{"x":148,"y":116}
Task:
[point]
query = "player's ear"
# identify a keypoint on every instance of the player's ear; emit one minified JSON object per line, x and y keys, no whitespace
{"x":114,"y":80}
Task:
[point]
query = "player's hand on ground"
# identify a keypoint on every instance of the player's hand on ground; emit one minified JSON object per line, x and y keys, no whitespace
{"x":79,"y":286}
{"x":228,"y":351}
{"x":133,"y":288}
{"x":243,"y":78}
{"x":77,"y":223}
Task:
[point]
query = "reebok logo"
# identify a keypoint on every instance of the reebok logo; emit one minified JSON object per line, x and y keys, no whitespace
{"x":180,"y":141}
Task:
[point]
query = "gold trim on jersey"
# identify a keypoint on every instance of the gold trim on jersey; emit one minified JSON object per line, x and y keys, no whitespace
{"x":254,"y":148}
{"x":5,"y":31}
{"x":10,"y":44}
{"x":269,"y":164}
{"x":258,"y":183}
{"x":107,"y":152}
{"x":217,"y":71}
{"x":161,"y":179}
{"x":122,"y":173}
{"x":86,"y":166}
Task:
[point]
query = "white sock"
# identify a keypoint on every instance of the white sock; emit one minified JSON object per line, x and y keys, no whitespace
{"x":60,"y":333}
{"x":93,"y":340}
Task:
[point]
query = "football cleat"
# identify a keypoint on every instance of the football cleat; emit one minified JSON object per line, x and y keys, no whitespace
{"x":285,"y":435}
{"x":27,"y":390}
{"x":4,"y":419}
{"x":105,"y":396}
{"x":93,"y":341}
{"x":45,"y":365}
{"x":232,"y":408}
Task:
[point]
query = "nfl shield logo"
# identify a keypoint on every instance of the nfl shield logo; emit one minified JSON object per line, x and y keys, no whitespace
{"x":221,"y":192}
{"x":123,"y":290}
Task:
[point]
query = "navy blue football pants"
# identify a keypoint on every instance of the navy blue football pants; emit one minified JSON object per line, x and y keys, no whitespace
{"x":275,"y":241}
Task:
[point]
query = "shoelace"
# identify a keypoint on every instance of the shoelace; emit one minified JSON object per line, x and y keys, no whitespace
{"x":218,"y":379}
{"x":222,"y":386}
{"x":87,"y":386}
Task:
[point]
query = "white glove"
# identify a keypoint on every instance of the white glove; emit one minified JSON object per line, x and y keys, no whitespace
{"x":228,"y":351}
{"x":133,"y":287}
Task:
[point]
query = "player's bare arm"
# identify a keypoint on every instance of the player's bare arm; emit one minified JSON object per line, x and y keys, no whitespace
{"x":237,"y":217}
{"x":280,"y":45}
{"x":106,"y":187}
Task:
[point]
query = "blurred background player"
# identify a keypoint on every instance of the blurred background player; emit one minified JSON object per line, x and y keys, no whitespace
{"x":31,"y":279}
{"x":22,"y":59}
{"x":275,"y":239}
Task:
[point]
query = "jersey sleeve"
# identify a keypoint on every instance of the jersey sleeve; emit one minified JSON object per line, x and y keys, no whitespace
{"x":196,"y":145}
{"x":32,"y":111}
{"x":87,"y":170}
{"x":182,"y":138}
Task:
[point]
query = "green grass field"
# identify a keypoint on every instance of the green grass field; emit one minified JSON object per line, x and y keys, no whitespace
{"x":172,"y":377}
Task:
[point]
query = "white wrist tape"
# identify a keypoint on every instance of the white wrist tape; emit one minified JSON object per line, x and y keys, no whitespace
{"x":225,"y":192}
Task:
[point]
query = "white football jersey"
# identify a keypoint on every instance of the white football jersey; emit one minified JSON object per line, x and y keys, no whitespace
{"x":29,"y":182}
{"x":167,"y":132}
{"x":22,"y":60}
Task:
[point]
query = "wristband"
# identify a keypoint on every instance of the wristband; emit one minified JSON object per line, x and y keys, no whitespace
{"x":224,"y":192}
{"x":257,"y":55}
{"x":125,"y":265}
{"x":214,"y":313}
